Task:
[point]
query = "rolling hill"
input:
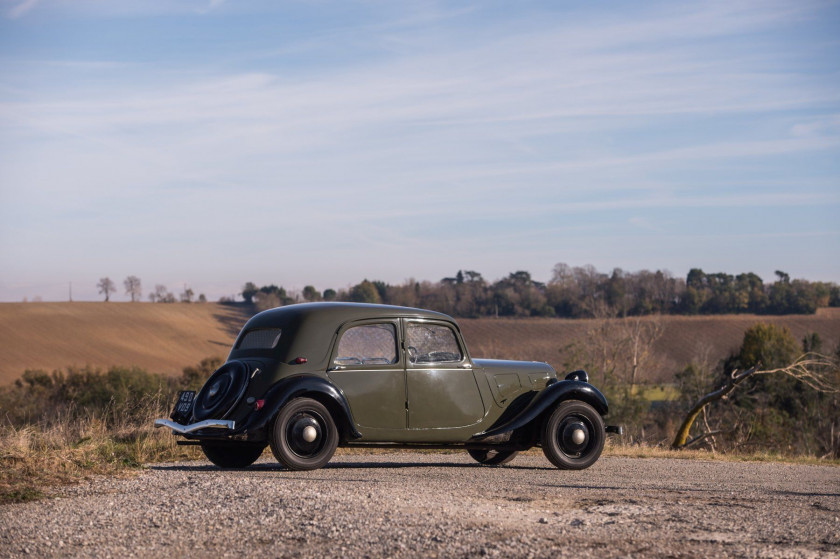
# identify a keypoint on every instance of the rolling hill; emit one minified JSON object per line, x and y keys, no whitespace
{"x":165,"y":338}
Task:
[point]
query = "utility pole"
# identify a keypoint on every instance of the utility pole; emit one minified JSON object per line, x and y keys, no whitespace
{"x":71,"y":291}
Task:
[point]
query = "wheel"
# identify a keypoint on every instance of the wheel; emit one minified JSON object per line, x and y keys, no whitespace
{"x":232,"y":455}
{"x":573,"y":435}
{"x":304,"y":436}
{"x":493,"y":457}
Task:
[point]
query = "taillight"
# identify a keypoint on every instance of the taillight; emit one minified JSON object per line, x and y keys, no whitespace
{"x":300,"y":360}
{"x":258,"y":405}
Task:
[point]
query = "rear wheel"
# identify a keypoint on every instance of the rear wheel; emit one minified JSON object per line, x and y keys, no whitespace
{"x":304,"y":436}
{"x":573,"y":435}
{"x":232,"y":455}
{"x":493,"y":457}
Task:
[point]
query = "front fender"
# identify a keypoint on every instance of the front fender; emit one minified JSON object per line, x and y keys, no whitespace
{"x":310,"y":386}
{"x":549,"y":397}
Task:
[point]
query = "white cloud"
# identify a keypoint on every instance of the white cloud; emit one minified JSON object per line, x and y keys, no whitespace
{"x":21,"y":8}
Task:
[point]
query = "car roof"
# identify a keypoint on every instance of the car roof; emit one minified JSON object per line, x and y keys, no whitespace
{"x":315,"y":324}
{"x":338,"y":313}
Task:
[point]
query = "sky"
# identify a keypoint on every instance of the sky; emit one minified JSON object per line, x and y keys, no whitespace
{"x":209,"y":143}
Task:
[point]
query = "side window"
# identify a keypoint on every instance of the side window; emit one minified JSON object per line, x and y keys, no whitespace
{"x":431,"y":343}
{"x":371,"y":344}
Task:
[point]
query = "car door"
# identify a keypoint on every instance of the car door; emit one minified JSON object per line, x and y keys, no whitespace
{"x":441,"y":387}
{"x":368,"y":367}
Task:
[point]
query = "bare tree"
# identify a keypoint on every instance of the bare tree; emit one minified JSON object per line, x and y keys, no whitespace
{"x":161,"y":295}
{"x":187,"y":295}
{"x":812,"y":369}
{"x":132,"y":287}
{"x":107,"y":287}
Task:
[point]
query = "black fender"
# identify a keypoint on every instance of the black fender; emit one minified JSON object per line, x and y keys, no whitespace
{"x":549,"y":397}
{"x":310,"y":386}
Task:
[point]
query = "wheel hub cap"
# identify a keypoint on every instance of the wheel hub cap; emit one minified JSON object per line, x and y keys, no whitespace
{"x":305,"y":435}
{"x":574,"y":436}
{"x":309,"y":433}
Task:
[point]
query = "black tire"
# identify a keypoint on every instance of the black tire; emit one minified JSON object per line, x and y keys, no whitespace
{"x":288,"y":438}
{"x":493,"y":457}
{"x":560,"y":431}
{"x":226,"y":455}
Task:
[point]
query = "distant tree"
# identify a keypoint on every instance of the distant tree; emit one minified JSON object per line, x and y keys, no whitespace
{"x":267,"y":300}
{"x":202,"y":298}
{"x":132,"y":288}
{"x":161,"y":295}
{"x":365,"y":292}
{"x":248,"y":292}
{"x":311,"y":294}
{"x":107,"y":287}
{"x":187,"y":295}
{"x":330,"y":295}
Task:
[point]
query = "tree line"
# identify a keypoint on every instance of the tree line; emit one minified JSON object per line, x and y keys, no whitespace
{"x":572,"y":292}
{"x":134,"y":289}
{"x":577,"y":292}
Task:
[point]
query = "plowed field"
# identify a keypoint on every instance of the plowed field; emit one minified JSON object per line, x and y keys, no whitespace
{"x":165,"y":338}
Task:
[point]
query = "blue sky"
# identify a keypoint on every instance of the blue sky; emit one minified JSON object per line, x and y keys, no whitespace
{"x":211,"y":143}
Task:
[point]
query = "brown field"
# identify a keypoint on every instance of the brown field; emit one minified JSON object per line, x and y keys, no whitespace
{"x":682,"y":339}
{"x":165,"y":338}
{"x":157,"y":337}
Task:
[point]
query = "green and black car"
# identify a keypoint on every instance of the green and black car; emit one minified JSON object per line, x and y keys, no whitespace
{"x":308,"y":378}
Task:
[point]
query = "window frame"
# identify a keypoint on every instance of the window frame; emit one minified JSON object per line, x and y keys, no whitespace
{"x":394,"y":323}
{"x":464,"y":362}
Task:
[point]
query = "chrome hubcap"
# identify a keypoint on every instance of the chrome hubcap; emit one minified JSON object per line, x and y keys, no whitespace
{"x":309,"y":433}
{"x":578,"y":436}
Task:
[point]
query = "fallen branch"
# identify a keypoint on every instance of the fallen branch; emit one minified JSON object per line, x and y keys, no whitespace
{"x":810,"y":369}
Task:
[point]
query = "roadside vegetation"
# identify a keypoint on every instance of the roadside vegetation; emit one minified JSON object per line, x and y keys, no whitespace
{"x":62,"y":426}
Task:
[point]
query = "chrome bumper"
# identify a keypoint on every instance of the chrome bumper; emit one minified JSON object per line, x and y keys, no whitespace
{"x":183,"y":429}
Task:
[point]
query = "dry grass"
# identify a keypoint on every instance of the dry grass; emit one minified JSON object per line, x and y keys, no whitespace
{"x":36,"y":458}
{"x":648,"y":451}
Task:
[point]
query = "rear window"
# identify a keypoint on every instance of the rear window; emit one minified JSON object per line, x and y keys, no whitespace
{"x":265,"y":338}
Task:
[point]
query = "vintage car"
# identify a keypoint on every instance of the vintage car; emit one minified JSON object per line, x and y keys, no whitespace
{"x":308,"y":378}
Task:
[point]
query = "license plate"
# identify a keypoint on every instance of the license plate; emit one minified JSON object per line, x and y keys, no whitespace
{"x":183,"y":406}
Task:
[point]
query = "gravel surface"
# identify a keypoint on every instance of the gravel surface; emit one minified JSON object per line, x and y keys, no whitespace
{"x":440,"y":505}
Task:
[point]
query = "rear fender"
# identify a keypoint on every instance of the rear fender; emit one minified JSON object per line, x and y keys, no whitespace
{"x":307,"y":386}
{"x":547,"y":399}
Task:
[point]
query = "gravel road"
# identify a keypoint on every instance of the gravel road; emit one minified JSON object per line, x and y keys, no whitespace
{"x":440,"y":505}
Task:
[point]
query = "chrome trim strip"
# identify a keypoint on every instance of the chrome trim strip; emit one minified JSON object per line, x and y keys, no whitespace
{"x":182,"y":429}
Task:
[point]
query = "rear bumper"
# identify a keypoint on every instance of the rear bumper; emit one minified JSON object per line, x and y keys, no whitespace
{"x":206,"y":424}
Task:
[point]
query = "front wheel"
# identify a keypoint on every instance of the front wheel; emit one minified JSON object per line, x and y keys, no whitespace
{"x":573,"y":436}
{"x":232,"y":455}
{"x":492,"y":457}
{"x":304,"y":436}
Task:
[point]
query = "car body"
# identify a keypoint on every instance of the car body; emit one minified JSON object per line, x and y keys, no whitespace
{"x":309,"y":377}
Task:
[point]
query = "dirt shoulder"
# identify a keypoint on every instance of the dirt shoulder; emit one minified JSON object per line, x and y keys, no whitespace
{"x":444,"y":505}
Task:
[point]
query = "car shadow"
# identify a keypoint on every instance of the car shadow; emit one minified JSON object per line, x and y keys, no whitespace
{"x":337,"y":465}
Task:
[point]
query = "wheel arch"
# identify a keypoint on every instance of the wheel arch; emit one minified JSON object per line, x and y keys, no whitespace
{"x":529,"y":421}
{"x":316,"y":388}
